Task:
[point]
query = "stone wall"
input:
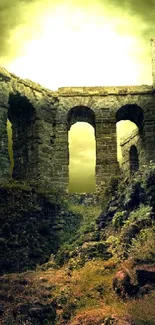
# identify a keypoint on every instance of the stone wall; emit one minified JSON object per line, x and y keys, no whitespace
{"x":33,"y":225}
{"x":153,"y":59}
{"x":110,"y":105}
{"x":31,"y":111}
{"x":126,"y":143}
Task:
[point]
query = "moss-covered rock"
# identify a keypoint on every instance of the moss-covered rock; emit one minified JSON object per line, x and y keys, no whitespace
{"x":34,"y":225}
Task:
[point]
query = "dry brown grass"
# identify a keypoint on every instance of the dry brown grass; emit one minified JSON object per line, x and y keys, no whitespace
{"x":83,"y":297}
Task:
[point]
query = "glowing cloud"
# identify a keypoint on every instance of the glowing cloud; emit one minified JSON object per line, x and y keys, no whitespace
{"x":77,"y":45}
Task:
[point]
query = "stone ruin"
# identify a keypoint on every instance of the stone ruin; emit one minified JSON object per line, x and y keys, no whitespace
{"x":41,"y":120}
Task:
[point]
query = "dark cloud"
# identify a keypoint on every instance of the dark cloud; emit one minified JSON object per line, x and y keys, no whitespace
{"x":9,"y":18}
{"x":12,"y":14}
{"x":141,"y":8}
{"x":146,"y":11}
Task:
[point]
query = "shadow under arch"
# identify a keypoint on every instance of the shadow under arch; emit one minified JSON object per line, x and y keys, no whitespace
{"x":131,"y":112}
{"x":133,"y":159}
{"x":80,"y":114}
{"x":21,"y":114}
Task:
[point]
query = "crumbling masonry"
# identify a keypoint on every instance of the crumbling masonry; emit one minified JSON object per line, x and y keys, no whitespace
{"x":42,"y":118}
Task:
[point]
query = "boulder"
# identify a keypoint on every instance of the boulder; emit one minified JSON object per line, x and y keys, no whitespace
{"x":122,"y":283}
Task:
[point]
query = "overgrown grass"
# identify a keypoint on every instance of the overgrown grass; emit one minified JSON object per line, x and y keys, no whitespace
{"x":136,"y":237}
{"x":142,"y":311}
{"x":143,"y":246}
{"x":89,"y":213}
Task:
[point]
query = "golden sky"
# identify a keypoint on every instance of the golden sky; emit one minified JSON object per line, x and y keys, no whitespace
{"x":82,"y":157}
{"x":78,"y":43}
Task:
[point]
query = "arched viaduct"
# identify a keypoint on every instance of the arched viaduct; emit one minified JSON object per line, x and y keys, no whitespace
{"x":42,"y":118}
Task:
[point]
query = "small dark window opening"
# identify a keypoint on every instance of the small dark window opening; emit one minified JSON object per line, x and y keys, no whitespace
{"x":134,"y":161}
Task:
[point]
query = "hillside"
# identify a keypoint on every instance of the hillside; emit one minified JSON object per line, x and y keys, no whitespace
{"x":79,"y":264}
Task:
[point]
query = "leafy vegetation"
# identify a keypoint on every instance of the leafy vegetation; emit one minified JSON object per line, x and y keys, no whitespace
{"x":143,"y":246}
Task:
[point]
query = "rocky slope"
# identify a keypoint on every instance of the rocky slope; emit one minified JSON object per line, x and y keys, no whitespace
{"x":102,"y":267}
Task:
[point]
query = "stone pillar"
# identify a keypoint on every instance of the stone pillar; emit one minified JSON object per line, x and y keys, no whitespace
{"x":61,"y":157}
{"x":30,"y":150}
{"x":4,"y":156}
{"x":17,"y":149}
{"x":43,"y":152}
{"x":153,"y":60}
{"x":24,"y":149}
{"x":52,"y":154}
{"x":106,"y":153}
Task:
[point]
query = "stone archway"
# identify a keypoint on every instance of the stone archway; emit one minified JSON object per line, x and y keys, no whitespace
{"x":82,"y":158}
{"x":131,"y":112}
{"x":75,"y":115}
{"x":81,"y":114}
{"x":133,"y":139}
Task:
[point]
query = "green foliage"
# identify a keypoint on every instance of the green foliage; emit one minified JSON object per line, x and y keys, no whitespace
{"x":34,"y":225}
{"x":63,"y":254}
{"x":143,"y":246}
{"x":139,"y":216}
{"x":121,"y":242}
{"x":13,"y":184}
{"x":88,"y":215}
{"x":119,"y":219}
{"x":110,"y":190}
{"x":115,"y":247}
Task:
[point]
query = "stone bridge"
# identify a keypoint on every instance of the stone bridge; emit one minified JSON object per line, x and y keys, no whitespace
{"x":41,"y":119}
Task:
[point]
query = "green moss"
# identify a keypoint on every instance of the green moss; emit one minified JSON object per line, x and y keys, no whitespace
{"x":34,"y":225}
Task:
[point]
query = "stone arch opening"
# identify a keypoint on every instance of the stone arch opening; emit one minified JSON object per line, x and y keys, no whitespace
{"x":134,"y":160}
{"x":131,"y":112}
{"x":129,"y":123}
{"x":21,"y":115}
{"x":80,"y":114}
{"x":82,"y":150}
{"x":125,"y":129}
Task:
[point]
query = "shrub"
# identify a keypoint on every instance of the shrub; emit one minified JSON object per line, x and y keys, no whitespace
{"x":120,"y":243}
{"x":143,"y":246}
{"x":119,"y":219}
{"x":140,"y":216}
{"x":115,"y":247}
